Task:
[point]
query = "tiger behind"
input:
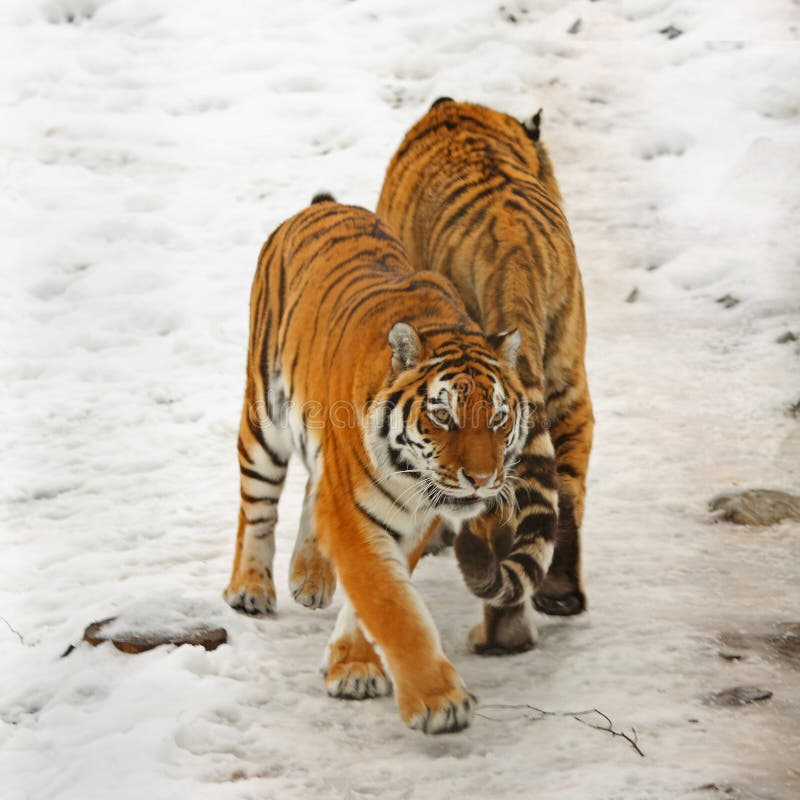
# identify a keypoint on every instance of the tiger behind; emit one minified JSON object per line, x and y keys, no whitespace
{"x":402,"y":410}
{"x":472,"y":194}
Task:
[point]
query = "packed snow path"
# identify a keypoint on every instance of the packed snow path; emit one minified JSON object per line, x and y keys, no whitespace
{"x":146,"y":151}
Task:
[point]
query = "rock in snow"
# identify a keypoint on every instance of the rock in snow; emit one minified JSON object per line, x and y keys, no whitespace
{"x":757,"y":506}
{"x":132,"y":641}
{"x":739,"y":696}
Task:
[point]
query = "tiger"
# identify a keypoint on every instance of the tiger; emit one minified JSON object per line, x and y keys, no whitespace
{"x":472,"y":195}
{"x":403,"y":412}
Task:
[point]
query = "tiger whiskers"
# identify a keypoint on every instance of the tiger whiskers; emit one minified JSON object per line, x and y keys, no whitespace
{"x":417,"y":491}
{"x":505,"y":501}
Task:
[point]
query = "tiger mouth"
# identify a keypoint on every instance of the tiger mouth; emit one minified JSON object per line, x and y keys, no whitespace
{"x":459,"y":501}
{"x":463,"y":501}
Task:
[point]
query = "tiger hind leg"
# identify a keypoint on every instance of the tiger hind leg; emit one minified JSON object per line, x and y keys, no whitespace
{"x":263,"y":458}
{"x":312,"y":577}
{"x":562,"y":592}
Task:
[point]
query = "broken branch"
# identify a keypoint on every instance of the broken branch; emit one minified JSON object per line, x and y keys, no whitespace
{"x":540,"y":713}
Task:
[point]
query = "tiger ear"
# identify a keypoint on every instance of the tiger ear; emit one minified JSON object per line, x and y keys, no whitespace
{"x":406,"y":346}
{"x":507,"y":345}
{"x":533,"y":126}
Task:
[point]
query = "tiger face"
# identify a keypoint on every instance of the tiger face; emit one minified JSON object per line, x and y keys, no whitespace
{"x":451,"y":422}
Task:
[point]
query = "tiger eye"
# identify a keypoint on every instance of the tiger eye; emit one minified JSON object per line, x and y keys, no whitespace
{"x":441,"y":416}
{"x":500,"y":421}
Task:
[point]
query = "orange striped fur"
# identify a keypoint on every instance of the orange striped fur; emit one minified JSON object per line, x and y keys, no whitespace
{"x":472,"y":195}
{"x":402,"y":410}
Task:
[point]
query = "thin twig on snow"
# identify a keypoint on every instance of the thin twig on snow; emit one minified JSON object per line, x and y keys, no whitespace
{"x":13,"y":630}
{"x":540,"y":713}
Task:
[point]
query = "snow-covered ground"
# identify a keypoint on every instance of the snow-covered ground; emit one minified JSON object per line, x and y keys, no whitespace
{"x":147,"y":149}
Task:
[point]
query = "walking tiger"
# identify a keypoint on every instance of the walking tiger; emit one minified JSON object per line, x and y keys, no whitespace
{"x":472,"y":196}
{"x":403,"y":411}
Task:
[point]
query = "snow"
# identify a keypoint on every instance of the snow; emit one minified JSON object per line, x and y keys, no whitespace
{"x":146,"y":151}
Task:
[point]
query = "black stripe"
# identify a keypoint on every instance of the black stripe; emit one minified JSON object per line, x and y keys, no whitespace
{"x":377,"y":484}
{"x":332,"y":242}
{"x":432,"y":329}
{"x":543,"y":197}
{"x":538,"y":524}
{"x":297,"y":275}
{"x":249,"y":498}
{"x":368,"y":300}
{"x":304,"y":443}
{"x":567,"y":437}
{"x":512,"y":578}
{"x":456,"y":344}
{"x":401,"y":465}
{"x":410,"y":142}
{"x":526,"y":496}
{"x":257,"y":476}
{"x":259,"y":435}
{"x":477,"y":220}
{"x":258,"y":312}
{"x":388,"y":407}
{"x":446,"y":223}
{"x":492,"y":233}
{"x":407,"y":410}
{"x":281,"y":287}
{"x":316,"y":235}
{"x":556,"y":394}
{"x":527,"y":217}
{"x":243,"y":452}
{"x":497,"y":137}
{"x":537,"y":427}
{"x":382,"y":525}
{"x":528,"y":563}
{"x":293,"y":367}
{"x":361,"y":302}
{"x":537,"y":207}
{"x":540,"y":467}
{"x":357,"y":268}
{"x":316,"y":214}
{"x":489,"y":590}
{"x":568,"y":469}
{"x":269,"y":353}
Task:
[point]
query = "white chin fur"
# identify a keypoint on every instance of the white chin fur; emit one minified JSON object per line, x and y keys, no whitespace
{"x":455,"y":514}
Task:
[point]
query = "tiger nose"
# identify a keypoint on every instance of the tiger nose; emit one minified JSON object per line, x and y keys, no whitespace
{"x":478,"y":479}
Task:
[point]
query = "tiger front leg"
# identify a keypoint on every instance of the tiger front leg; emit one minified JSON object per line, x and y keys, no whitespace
{"x":430,"y":694}
{"x":504,"y":562}
{"x":352,"y":668}
{"x":312,"y":577}
{"x":504,"y":630}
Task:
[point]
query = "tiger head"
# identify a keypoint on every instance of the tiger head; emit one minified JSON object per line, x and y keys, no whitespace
{"x":451,"y":420}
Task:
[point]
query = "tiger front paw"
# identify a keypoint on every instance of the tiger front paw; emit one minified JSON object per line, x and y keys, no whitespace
{"x":357,"y":680}
{"x":441,"y":710}
{"x":253,"y":594}
{"x":504,"y":631}
{"x":312,"y":578}
{"x":352,"y":668}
